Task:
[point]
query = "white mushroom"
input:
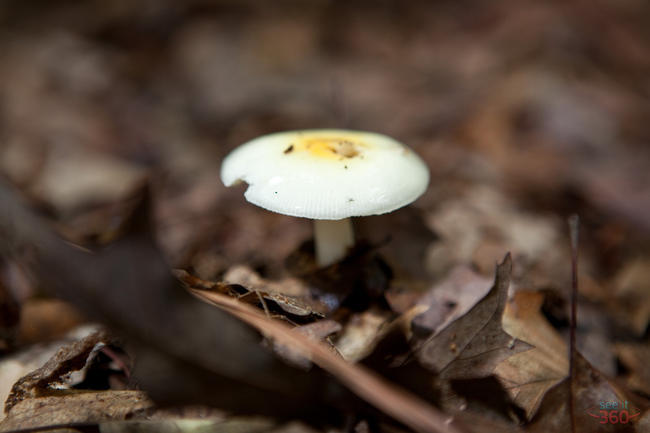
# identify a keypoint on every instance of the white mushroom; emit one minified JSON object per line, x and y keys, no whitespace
{"x":328,"y":175}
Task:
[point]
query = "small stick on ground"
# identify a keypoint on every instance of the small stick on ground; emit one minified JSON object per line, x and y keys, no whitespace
{"x":574,"y":229}
{"x":266,"y":308}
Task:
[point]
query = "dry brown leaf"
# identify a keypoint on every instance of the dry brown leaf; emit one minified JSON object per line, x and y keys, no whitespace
{"x":84,"y":407}
{"x":361,"y":334}
{"x":387,"y":397}
{"x":364,"y":332}
{"x":465,"y":354}
{"x":291,"y":294}
{"x":528,"y":375}
{"x":19,"y":364}
{"x":200,"y":284}
{"x":592,"y":389}
{"x":451,"y":298}
{"x":474,"y":344}
{"x":68,"y":359}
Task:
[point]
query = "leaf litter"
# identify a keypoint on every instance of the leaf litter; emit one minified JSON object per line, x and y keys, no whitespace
{"x":524,"y":113}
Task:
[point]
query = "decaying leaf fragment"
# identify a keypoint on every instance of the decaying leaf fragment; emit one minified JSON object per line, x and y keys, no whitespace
{"x":361,"y":334}
{"x":473,"y":345}
{"x":67,"y":359}
{"x":527,"y":376}
{"x":290,"y":294}
{"x":82,"y":407}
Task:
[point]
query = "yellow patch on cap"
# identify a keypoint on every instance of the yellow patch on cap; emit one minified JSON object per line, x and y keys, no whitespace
{"x":328,"y":147}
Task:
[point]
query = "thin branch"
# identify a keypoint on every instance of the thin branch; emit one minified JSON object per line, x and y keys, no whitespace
{"x":394,"y":401}
{"x":574,"y":228}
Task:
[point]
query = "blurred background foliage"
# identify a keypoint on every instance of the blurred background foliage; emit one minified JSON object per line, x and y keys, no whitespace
{"x":525,"y":111}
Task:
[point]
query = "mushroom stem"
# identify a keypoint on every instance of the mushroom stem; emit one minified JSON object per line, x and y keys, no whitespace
{"x":332,"y":238}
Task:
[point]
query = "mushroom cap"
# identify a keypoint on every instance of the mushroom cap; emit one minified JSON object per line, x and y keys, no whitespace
{"x":327,"y":173}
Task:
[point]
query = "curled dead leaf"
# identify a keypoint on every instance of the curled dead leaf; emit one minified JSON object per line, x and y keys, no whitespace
{"x":475,"y":343}
{"x":68,"y":359}
{"x":472,"y":346}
